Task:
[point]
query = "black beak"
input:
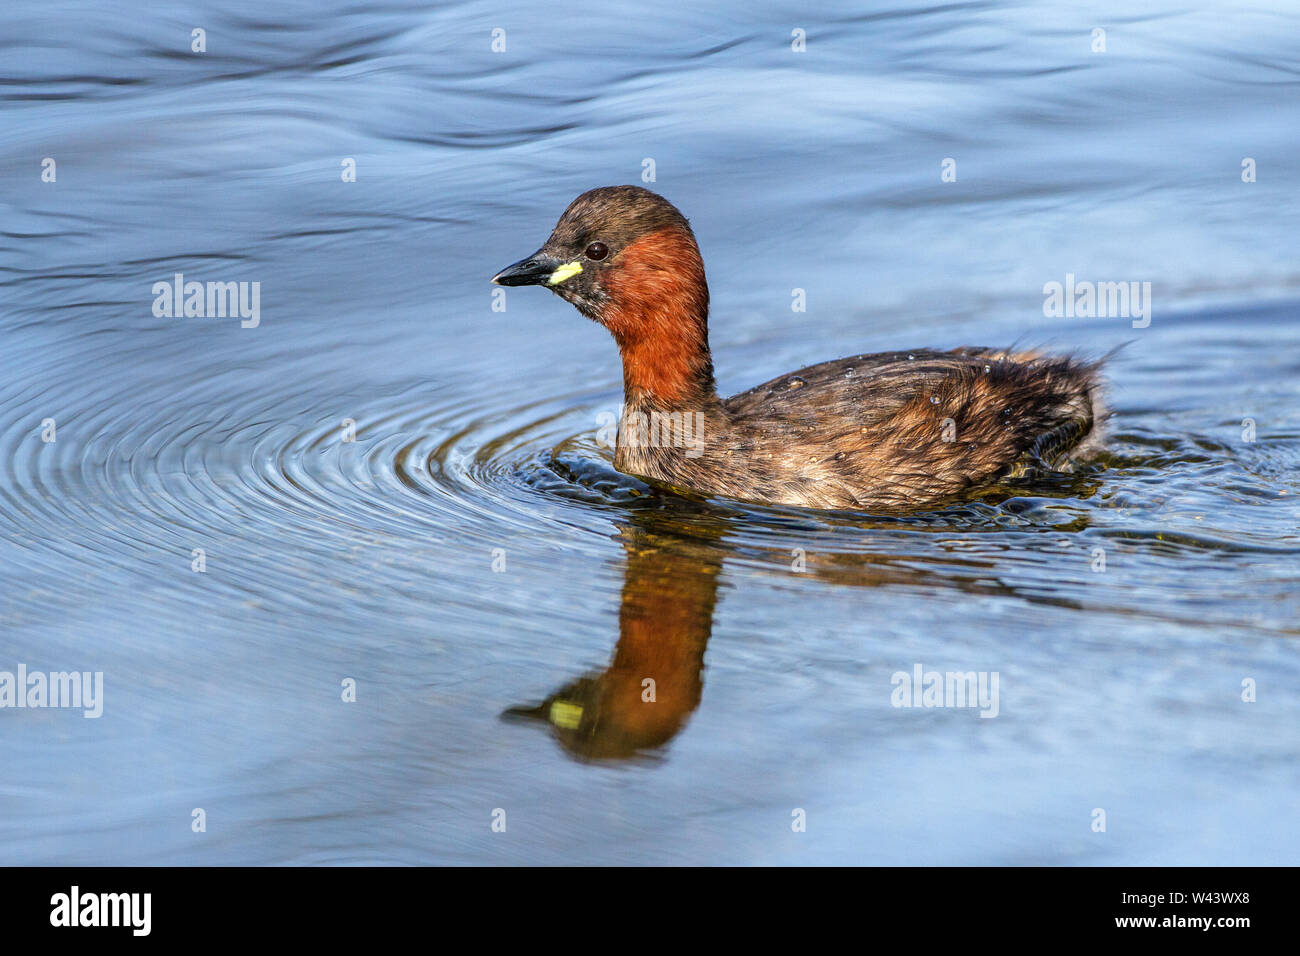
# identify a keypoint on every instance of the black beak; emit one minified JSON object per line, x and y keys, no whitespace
{"x":534,"y":270}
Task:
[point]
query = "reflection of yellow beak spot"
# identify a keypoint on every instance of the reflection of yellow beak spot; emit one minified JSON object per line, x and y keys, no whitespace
{"x":563,"y":714}
{"x":566,"y":271}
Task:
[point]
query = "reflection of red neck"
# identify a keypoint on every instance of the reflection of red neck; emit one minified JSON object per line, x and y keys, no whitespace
{"x":659,"y":314}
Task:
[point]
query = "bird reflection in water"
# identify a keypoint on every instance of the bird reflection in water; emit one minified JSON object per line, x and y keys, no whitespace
{"x":653,"y":684}
{"x":674,"y":556}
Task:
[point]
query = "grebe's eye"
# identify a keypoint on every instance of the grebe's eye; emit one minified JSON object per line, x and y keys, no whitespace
{"x":597,"y":251}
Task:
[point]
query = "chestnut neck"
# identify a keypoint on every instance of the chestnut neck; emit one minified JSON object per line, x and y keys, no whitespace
{"x":658,"y":312}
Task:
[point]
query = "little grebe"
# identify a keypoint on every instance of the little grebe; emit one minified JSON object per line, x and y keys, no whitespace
{"x":889,"y":430}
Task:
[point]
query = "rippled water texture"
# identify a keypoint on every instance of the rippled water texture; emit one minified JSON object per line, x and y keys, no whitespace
{"x":472,"y":560}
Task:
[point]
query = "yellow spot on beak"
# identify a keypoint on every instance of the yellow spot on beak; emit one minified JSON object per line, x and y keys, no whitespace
{"x":563,"y":714}
{"x":566,"y":271}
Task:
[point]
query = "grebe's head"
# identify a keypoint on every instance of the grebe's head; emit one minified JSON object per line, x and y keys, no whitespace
{"x":628,"y":259}
{"x":615,"y":253}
